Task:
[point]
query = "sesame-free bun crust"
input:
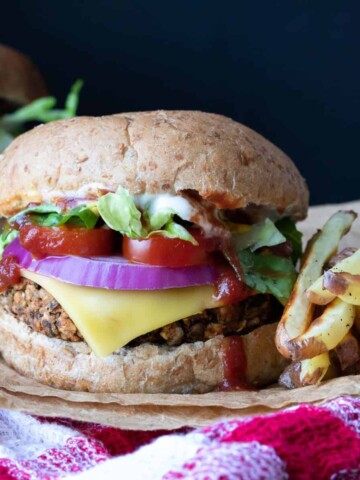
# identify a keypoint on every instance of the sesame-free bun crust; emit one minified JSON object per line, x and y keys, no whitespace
{"x":189,"y":368}
{"x":20,"y":81}
{"x":223,"y":161}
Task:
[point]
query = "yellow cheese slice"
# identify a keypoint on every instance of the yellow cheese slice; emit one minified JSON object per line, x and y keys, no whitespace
{"x":109,"y":319}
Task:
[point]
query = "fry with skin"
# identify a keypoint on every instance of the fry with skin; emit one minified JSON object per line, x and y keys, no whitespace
{"x":305,"y":372}
{"x":318,"y":294}
{"x":346,"y":284}
{"x":337,"y":282}
{"x":340,"y":256}
{"x":324,"y":333}
{"x":298,"y":312}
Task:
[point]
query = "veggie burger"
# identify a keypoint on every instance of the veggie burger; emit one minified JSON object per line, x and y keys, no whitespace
{"x":146,"y":252}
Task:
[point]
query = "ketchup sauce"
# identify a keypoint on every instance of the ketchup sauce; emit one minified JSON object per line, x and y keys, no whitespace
{"x":9,"y":273}
{"x":234,"y":362}
{"x":229,"y":289}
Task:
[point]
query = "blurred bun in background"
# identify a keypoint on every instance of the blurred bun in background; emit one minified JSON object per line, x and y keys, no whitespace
{"x":20,"y":80}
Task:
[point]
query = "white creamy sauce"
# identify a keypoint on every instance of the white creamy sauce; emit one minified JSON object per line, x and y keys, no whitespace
{"x":155,"y":203}
{"x":186,"y":208}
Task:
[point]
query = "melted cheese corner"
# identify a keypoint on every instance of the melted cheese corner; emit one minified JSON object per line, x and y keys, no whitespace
{"x":109,"y":319}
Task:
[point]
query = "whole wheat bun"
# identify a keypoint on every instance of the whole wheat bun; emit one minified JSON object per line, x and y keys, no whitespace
{"x":20,"y":81}
{"x":190,"y":368}
{"x":221,"y":160}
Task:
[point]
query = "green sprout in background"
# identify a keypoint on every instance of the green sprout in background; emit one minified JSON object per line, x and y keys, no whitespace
{"x":40,"y":110}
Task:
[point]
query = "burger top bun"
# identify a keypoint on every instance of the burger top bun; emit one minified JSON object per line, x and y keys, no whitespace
{"x":20,"y":81}
{"x":219,"y":159}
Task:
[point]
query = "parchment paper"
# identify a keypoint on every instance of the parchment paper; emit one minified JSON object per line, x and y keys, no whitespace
{"x":170,"y":411}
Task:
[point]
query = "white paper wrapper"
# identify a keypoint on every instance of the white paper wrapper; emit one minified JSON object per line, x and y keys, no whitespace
{"x":170,"y":411}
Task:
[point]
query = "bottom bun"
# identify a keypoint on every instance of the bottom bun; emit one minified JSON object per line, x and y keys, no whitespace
{"x":189,"y":368}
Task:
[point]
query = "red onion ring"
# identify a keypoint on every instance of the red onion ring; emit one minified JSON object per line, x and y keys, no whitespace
{"x":113,"y":273}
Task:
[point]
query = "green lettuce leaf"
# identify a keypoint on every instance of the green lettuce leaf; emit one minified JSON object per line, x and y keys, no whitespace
{"x":264,"y":234}
{"x":34,"y":111}
{"x":174,"y":230}
{"x":83,"y":215}
{"x":268,"y":273}
{"x":119,"y":212}
{"x":72,"y":99}
{"x":43,"y":208}
{"x":158,"y":218}
{"x":288,"y":228}
{"x":161,"y":221}
{"x":6,"y":237}
{"x":49,"y":215}
{"x":40,"y":110}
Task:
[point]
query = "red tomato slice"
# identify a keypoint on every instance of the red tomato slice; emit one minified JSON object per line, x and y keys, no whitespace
{"x":169,"y":252}
{"x":44,"y":241}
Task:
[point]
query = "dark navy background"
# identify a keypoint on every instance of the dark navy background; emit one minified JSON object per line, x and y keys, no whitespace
{"x":289,"y":69}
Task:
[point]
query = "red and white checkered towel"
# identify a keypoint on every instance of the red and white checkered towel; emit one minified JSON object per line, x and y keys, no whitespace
{"x":308,"y":442}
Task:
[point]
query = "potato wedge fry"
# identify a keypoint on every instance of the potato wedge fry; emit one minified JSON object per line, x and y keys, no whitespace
{"x":324,"y":333}
{"x":350,"y":264}
{"x":298,"y":312}
{"x":340,"y":256}
{"x":305,"y":372}
{"x":318,"y":294}
{"x":346,"y":284}
{"x":329,"y":285}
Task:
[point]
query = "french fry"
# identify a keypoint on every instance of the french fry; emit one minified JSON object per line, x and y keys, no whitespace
{"x":324,"y":333}
{"x":346,"y":284}
{"x":350,"y":264}
{"x":340,"y":256}
{"x":334,"y":282}
{"x":318,"y":294}
{"x":298,"y":312}
{"x":305,"y":372}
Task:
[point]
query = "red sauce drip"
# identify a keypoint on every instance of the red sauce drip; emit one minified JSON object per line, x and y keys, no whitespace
{"x":234,"y":361}
{"x":229,"y":289}
{"x":9,"y":273}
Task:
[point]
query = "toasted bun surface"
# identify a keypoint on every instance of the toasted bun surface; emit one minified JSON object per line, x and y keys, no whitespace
{"x":189,"y":368}
{"x":20,"y":81}
{"x":223,"y":161}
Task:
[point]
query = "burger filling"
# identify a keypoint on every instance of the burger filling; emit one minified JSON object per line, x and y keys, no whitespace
{"x":194,"y":272}
{"x":32,"y":304}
